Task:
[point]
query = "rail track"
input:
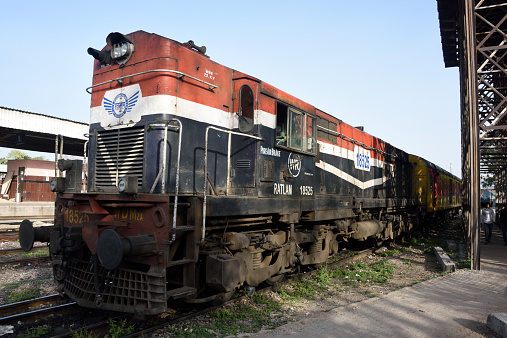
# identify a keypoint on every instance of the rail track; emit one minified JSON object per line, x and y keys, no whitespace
{"x":102,"y":326}
{"x":23,"y":260}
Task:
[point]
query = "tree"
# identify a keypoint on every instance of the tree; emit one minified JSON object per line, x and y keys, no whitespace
{"x":19,"y":155}
{"x":488,"y":181}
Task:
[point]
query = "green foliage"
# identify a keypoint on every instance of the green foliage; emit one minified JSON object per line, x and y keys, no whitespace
{"x":118,"y":330}
{"x":242,"y":318}
{"x":39,"y":253}
{"x":260,"y":298}
{"x":82,"y":334}
{"x":379,"y":272}
{"x":464,"y":265}
{"x":36,"y":332}
{"x":295,"y":290}
{"x":323,"y":275}
{"x":22,"y":295}
{"x":16,"y":154}
{"x":390,"y":253}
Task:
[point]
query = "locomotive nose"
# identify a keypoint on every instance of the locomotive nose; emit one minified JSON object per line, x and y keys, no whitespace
{"x":111,"y":249}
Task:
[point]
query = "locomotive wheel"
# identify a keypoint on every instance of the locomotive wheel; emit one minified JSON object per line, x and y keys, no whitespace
{"x":274,"y":279}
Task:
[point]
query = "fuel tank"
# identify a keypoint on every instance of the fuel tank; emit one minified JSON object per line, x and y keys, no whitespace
{"x":365,"y":229}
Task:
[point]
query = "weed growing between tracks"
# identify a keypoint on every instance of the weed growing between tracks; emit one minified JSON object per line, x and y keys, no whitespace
{"x":36,"y":332}
{"x":22,"y":290}
{"x":250,"y":315}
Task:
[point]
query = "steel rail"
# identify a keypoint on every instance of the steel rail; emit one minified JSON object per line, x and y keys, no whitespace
{"x":18,"y":306}
{"x":19,"y":250}
{"x":36,"y":314}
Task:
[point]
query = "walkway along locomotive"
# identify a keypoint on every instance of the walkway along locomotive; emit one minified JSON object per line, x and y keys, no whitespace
{"x":201,"y":179}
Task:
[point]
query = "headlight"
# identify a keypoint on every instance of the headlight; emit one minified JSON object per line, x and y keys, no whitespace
{"x":122,"y":185}
{"x":127,"y":185}
{"x":57,"y":184}
{"x":120,"y":50}
{"x":122,"y":47}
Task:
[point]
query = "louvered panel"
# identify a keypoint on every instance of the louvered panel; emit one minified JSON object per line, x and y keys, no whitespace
{"x":119,"y":153}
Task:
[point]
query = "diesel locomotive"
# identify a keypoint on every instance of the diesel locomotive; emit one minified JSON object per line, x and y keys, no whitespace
{"x":201,"y":179}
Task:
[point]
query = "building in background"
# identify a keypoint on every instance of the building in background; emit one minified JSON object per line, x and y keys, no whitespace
{"x":28,"y":180}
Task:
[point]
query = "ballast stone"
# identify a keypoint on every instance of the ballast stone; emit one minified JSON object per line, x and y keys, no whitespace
{"x":498,"y":323}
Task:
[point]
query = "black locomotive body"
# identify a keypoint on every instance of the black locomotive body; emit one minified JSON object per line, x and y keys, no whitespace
{"x":202,"y":179}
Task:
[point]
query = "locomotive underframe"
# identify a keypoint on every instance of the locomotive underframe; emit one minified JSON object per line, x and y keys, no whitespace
{"x":246,"y":248}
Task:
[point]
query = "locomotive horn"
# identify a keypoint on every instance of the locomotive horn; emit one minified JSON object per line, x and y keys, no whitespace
{"x":103,"y":57}
{"x":190,"y":44}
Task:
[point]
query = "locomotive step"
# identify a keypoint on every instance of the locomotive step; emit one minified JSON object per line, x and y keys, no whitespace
{"x":181,"y":204}
{"x":181,"y":292}
{"x":180,"y":262}
{"x":184,"y":228}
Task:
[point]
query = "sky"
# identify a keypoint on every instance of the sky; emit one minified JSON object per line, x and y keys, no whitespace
{"x":376,"y":64}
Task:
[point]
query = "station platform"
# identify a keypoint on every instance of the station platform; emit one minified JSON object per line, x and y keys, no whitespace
{"x":32,"y":210}
{"x":456,"y":305}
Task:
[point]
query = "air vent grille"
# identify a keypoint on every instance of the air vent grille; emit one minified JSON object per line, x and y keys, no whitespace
{"x":119,"y":153}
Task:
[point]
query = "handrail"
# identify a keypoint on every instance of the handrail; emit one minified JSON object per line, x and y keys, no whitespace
{"x":120,"y":79}
{"x":163,"y":171}
{"x":59,"y":136}
{"x":85,"y":164}
{"x":230,"y":133}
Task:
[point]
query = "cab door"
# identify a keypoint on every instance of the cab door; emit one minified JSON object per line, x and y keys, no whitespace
{"x":243,"y":149}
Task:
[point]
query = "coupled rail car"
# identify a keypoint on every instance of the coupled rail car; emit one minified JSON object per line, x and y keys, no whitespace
{"x":201,"y":179}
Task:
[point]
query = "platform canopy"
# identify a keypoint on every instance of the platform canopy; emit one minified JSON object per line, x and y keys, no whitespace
{"x":37,"y":132}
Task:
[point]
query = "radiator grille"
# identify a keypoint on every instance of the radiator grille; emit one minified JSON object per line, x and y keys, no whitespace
{"x":119,"y":153}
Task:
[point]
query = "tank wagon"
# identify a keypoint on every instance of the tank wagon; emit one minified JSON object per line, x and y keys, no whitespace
{"x":201,"y":179}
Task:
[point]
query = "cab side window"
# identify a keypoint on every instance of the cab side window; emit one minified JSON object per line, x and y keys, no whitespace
{"x":295,"y":129}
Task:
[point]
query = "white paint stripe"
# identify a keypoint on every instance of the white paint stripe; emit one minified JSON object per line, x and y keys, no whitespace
{"x":338,"y":151}
{"x":171,"y":105}
{"x":343,"y":175}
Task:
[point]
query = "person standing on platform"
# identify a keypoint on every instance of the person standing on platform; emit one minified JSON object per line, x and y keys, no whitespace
{"x":503,"y":223}
{"x":487,"y":219}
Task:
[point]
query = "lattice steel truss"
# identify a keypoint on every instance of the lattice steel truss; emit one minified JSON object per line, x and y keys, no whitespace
{"x":491,"y":49}
{"x":474,"y":37}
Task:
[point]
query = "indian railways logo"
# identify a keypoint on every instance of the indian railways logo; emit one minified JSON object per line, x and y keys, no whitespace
{"x":294,"y":164}
{"x":121,"y":104}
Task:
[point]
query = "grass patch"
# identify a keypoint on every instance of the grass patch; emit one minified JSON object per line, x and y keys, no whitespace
{"x":390,"y":253}
{"x":464,"y":265}
{"x":119,"y":329}
{"x":22,"y":290}
{"x":379,"y":272}
{"x":296,"y":290}
{"x":36,"y":332}
{"x":240,"y":319}
{"x":34,"y":254}
{"x":22,"y":295}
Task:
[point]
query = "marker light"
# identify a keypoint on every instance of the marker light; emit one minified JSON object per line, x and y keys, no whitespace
{"x":127,"y":185}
